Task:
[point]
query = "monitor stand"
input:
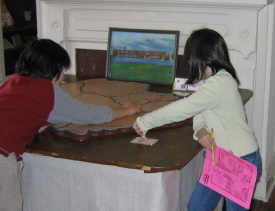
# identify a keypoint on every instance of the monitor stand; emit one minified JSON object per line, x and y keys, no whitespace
{"x":160,"y":88}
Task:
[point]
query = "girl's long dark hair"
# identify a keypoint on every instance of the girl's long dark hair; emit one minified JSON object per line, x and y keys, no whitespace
{"x":43,"y":58}
{"x":207,"y":48}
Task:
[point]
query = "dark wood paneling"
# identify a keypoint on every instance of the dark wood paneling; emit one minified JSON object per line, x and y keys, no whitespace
{"x":90,"y":62}
{"x":82,"y":68}
{"x":93,"y":63}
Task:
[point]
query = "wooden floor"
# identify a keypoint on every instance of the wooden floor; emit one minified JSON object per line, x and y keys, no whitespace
{"x":258,"y":205}
{"x":264,"y":206}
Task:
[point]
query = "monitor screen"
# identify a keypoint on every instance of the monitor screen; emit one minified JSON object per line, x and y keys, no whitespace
{"x":142,"y":55}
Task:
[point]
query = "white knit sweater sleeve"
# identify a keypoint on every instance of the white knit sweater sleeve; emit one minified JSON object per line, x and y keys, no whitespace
{"x":205,"y":98}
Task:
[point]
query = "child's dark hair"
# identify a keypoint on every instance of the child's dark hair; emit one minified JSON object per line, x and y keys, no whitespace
{"x":207,"y":48}
{"x":43,"y":58}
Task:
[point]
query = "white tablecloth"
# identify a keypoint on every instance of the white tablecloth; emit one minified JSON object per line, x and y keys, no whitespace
{"x":55,"y":184}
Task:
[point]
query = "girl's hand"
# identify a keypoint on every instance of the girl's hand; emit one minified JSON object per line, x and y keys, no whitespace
{"x":139,"y":132}
{"x":205,"y":139}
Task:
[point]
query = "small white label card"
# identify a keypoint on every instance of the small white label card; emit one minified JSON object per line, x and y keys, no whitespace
{"x":148,"y":141}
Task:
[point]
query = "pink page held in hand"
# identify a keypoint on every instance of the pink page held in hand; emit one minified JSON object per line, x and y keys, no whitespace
{"x":231,"y":176}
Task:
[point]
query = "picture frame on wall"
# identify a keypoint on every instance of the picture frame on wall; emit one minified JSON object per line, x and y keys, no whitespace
{"x":142,"y":55}
{"x":7,"y":20}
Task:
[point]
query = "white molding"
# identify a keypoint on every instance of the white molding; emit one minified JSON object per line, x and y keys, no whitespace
{"x":260,"y":88}
{"x":253,"y":4}
{"x":267,"y":183}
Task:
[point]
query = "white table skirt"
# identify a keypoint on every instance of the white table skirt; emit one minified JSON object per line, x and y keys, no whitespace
{"x":55,"y":184}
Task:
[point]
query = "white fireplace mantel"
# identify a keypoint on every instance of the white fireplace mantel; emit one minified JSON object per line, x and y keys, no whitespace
{"x":217,"y":3}
{"x":85,"y":24}
{"x":247,"y":27}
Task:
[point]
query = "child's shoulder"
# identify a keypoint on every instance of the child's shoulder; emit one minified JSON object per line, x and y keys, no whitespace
{"x":223,"y":79}
{"x":220,"y":80}
{"x":222,"y":76}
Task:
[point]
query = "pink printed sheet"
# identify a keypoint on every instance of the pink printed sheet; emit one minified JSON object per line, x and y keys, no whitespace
{"x":231,"y":176}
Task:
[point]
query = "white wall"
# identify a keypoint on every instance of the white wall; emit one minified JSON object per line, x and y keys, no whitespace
{"x":271,"y":105}
{"x":263,"y":99}
{"x":271,"y":114}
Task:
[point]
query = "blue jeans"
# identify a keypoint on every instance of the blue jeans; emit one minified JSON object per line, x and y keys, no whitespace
{"x":205,"y":199}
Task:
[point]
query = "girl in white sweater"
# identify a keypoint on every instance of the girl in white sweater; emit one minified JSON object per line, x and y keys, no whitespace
{"x":217,"y":104}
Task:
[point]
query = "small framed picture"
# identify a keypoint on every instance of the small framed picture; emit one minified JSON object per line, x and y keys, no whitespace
{"x":142,"y":55}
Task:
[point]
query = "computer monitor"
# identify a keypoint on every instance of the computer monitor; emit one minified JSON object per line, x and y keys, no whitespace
{"x":142,"y":55}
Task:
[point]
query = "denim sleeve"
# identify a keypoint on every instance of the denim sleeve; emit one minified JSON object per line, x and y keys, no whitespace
{"x":68,"y":109}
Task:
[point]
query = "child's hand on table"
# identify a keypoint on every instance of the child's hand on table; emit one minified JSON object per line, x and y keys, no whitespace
{"x":127,"y":109}
{"x":133,"y":107}
{"x":139,"y":132}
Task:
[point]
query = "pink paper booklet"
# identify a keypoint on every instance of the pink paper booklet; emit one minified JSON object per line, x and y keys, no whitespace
{"x":231,"y":176}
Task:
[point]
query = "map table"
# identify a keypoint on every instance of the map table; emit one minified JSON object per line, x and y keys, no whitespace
{"x":109,"y":173}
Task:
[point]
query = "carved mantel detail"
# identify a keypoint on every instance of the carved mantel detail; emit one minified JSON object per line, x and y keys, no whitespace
{"x":56,"y":26}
